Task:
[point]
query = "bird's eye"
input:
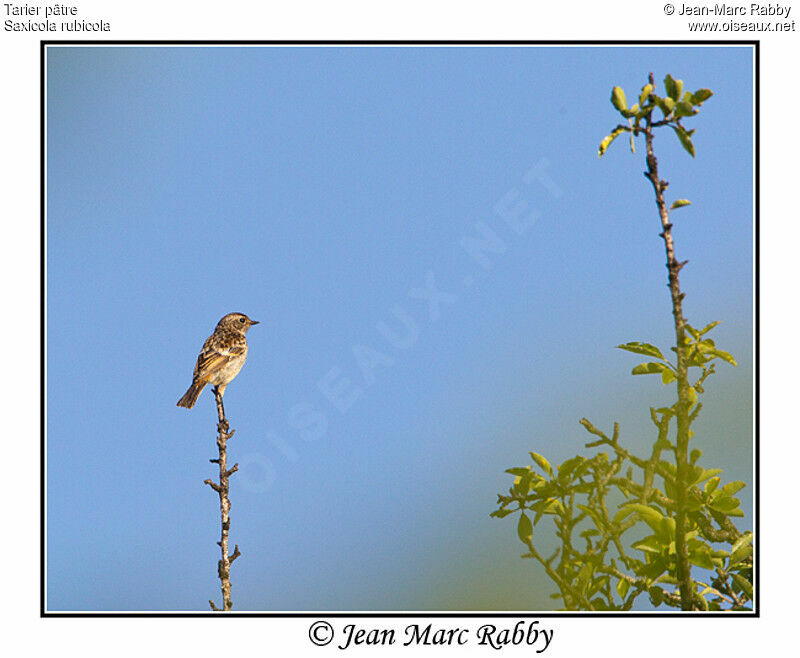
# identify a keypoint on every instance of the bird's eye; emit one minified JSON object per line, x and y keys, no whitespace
{"x":241,"y":319}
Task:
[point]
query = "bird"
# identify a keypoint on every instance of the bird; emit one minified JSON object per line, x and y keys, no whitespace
{"x":221,"y":358}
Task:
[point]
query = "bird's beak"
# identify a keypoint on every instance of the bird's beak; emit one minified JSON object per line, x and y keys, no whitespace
{"x":252,"y":322}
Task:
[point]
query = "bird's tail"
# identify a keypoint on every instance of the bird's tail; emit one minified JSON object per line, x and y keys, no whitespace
{"x":190,"y":397}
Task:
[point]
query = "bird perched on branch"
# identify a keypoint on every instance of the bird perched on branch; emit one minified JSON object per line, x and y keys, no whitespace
{"x":221,"y":358}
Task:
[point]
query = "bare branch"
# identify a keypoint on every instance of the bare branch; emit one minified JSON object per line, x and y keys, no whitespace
{"x":223,"y":489}
{"x":213,"y":485}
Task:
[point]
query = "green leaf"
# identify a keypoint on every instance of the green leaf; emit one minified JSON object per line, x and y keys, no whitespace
{"x":623,"y":586}
{"x":732,"y":487}
{"x":693,"y":504}
{"x":641,"y":114}
{"x":646,"y":90}
{"x":623,"y":513}
{"x":525,"y":528}
{"x":742,"y":548}
{"x":650,"y":516}
{"x":642,"y":348}
{"x":701,"y":95}
{"x":539,"y":508}
{"x":650,"y":544}
{"x":569,"y":465}
{"x":645,"y":511}
{"x":610,"y":138}
{"x":629,"y":114}
{"x":684,"y":138}
{"x":655,"y":568}
{"x":695,"y":455}
{"x":725,"y":504}
{"x":519,"y":471}
{"x":656,"y":596}
{"x":542,"y":463}
{"x":674,"y":87}
{"x":522,"y":485}
{"x":704,"y":345}
{"x":708,"y":473}
{"x":680,"y":203}
{"x":678,"y":89}
{"x":701,"y":558}
{"x":666,"y":105}
{"x":745,"y":585}
{"x":669,"y":85}
{"x":500,"y":513}
{"x":666,"y":529}
{"x":667,"y":467}
{"x":618,"y":99}
{"x":651,"y":368}
{"x":684,"y":109}
{"x":697,"y":358}
{"x":583,"y":576}
{"x":722,"y":354}
{"x":709,"y":327}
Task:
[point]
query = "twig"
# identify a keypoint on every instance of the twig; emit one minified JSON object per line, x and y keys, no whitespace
{"x":222,"y":488}
{"x":565,"y":587}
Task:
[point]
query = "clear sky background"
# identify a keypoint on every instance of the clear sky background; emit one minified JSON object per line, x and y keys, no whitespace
{"x":319,"y":190}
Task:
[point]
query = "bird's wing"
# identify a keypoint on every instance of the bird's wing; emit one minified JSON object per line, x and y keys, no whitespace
{"x":211,"y":359}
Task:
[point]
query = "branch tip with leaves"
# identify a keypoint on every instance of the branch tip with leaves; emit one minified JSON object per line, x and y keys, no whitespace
{"x":603,"y":496}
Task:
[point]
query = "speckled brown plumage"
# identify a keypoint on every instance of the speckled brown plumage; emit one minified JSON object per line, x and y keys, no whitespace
{"x":221,"y":358}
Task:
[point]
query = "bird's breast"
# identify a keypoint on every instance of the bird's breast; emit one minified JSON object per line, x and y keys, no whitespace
{"x":227,"y":372}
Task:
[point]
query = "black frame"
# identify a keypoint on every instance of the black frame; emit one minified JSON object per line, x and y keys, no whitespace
{"x":398,"y":615}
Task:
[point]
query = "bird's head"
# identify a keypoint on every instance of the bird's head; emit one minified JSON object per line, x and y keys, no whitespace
{"x":236,"y":322}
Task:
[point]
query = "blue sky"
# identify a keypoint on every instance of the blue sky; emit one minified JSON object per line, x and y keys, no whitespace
{"x":336,"y":195}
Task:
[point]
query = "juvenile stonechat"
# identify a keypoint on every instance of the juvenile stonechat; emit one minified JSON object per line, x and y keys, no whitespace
{"x":221,"y":358}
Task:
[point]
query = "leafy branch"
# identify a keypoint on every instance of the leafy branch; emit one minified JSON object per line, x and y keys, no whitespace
{"x":606,"y":496}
